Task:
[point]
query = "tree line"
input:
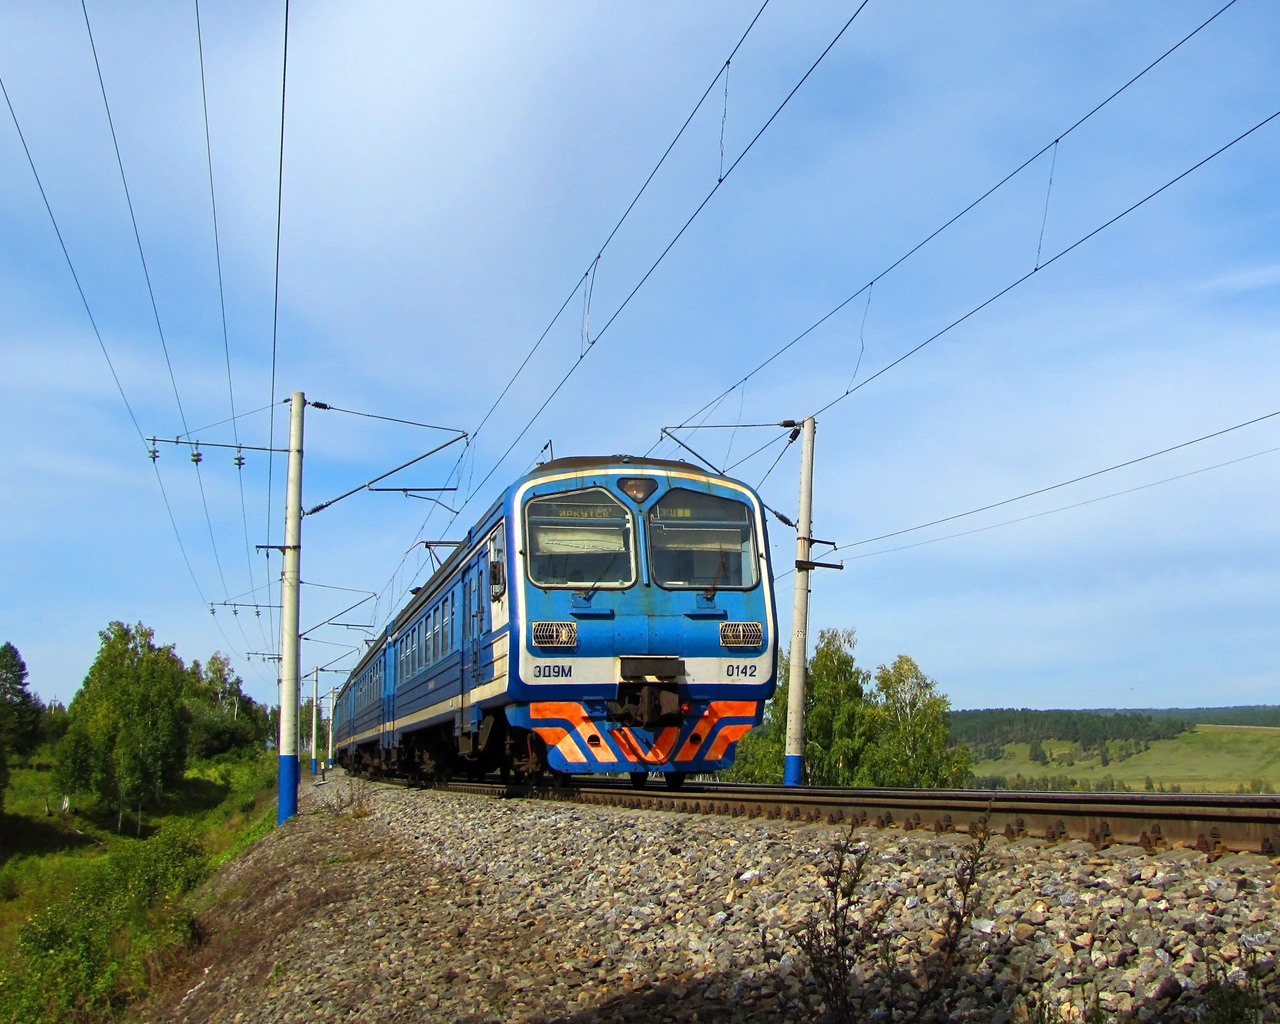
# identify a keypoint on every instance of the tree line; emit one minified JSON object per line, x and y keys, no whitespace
{"x":139,"y":716}
{"x":1091,"y":730}
{"x":26,"y":721}
{"x":887,"y":728}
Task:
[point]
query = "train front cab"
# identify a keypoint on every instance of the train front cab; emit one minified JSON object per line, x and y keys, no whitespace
{"x":646,"y":609}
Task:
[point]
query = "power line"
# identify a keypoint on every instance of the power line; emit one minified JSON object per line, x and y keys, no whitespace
{"x":1067,"y":508}
{"x":210,"y":426}
{"x":1049,"y":262}
{"x":1059,"y":486}
{"x":146,"y":273}
{"x":71,"y":267}
{"x":388,"y":419}
{"x":97,"y":333}
{"x":151,"y":295}
{"x":275,"y":300}
{"x":222,"y":306}
{"x":967,"y":209}
{"x":589,"y":272}
{"x":670,"y":245}
{"x":580,"y":283}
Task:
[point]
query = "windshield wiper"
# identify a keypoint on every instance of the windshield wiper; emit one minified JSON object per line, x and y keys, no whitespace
{"x":722,"y":566}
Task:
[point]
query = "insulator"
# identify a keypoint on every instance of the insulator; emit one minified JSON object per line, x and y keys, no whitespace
{"x":238,"y":460}
{"x":154,"y":453}
{"x":197,"y":456}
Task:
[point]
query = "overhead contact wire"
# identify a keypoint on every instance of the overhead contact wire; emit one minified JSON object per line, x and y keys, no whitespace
{"x":621,"y":220}
{"x":1064,"y":483}
{"x":583,"y":280}
{"x":969,"y":208}
{"x":222,"y":308}
{"x":670,"y":245}
{"x":275,"y":300}
{"x":1049,"y":262}
{"x":151,"y":295}
{"x":106,"y":355}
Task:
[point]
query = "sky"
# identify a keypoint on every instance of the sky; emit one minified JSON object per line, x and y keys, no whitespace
{"x":450,"y":174}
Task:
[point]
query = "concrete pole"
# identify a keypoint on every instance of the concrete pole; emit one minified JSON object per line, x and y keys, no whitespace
{"x":793,"y":766}
{"x":315,"y":714}
{"x":331,"y":727}
{"x":290,"y":642}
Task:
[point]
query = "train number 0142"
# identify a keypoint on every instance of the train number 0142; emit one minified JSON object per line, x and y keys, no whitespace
{"x":740,"y":671}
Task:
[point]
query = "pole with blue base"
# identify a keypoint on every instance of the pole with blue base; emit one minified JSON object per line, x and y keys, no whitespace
{"x":331,"y":727}
{"x":290,"y":642}
{"x":793,"y":765}
{"x":315,"y":714}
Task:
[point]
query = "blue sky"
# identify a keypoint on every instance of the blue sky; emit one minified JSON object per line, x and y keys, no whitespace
{"x":450,"y":172}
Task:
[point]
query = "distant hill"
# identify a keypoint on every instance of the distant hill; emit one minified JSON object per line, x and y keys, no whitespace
{"x":1090,"y":729}
{"x":1253,"y":714}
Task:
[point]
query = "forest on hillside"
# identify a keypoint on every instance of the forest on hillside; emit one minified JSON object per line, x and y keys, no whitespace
{"x":1267,"y":715}
{"x":1089,"y":729}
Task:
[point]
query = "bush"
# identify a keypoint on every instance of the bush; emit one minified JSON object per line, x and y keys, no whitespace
{"x":83,"y":956}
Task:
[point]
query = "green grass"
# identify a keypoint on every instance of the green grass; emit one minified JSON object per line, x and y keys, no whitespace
{"x":60,"y":869}
{"x":1212,"y":759}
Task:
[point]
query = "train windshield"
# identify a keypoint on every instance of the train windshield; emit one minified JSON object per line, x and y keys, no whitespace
{"x":580,"y":539}
{"x":701,"y":541}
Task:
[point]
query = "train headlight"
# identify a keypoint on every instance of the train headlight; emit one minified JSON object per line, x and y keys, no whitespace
{"x":741,"y":634}
{"x":637,"y":488}
{"x":555,"y":634}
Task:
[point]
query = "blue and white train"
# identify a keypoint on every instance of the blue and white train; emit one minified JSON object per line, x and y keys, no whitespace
{"x":610,"y":615}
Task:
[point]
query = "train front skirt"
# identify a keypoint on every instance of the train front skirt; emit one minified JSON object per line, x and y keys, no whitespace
{"x":581,"y":738}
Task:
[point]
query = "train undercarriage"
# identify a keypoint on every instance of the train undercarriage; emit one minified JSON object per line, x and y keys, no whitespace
{"x":437,"y":755}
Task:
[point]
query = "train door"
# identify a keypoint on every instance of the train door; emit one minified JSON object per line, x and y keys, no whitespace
{"x":499,"y":614}
{"x":479,"y":605}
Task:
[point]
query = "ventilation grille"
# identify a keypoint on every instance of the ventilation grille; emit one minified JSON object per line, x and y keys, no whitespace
{"x":555,"y":634}
{"x":741,"y":634}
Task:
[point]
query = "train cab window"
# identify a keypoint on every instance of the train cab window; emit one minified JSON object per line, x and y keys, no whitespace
{"x":701,"y":541}
{"x":580,"y":539}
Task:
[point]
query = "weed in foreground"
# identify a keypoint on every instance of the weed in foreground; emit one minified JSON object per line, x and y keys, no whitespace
{"x":847,"y":942}
{"x":1234,"y":996}
{"x":838,"y":935}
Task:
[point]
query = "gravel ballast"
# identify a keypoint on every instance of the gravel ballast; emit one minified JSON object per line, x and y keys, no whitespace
{"x":384,"y":904}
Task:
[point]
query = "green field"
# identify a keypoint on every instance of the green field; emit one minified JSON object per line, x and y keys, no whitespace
{"x":1212,"y":759}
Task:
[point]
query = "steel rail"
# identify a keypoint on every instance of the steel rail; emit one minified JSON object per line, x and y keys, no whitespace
{"x":1213,"y":823}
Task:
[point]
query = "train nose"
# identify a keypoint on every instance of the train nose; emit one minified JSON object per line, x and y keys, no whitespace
{"x":648,"y":704}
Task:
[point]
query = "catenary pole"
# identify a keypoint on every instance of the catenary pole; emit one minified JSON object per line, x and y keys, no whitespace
{"x":315,"y":714}
{"x":793,"y":766}
{"x":330,"y":758}
{"x":290,"y":642}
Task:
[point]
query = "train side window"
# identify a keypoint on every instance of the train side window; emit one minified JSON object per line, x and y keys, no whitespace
{"x":446,"y":642}
{"x":497,"y":564}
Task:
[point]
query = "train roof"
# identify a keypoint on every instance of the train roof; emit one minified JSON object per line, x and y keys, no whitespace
{"x":589,"y":462}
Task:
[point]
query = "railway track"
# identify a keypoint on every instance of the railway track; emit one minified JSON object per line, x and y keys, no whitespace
{"x":1213,"y":823}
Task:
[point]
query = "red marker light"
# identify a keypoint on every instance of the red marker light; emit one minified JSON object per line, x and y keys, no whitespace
{"x":685,"y":708}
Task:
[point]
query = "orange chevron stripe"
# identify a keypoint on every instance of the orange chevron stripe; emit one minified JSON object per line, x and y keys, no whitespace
{"x":659,"y":753}
{"x":572,"y":712}
{"x":729,"y":734}
{"x":716,"y":710}
{"x":559,"y":738}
